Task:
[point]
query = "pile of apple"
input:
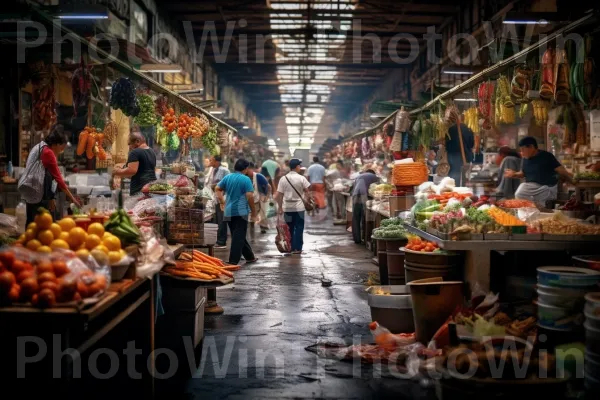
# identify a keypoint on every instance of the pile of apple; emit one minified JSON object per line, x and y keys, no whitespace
{"x":46,"y":280}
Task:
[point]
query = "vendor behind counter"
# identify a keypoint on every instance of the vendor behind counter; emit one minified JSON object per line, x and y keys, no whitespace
{"x":141,"y":163}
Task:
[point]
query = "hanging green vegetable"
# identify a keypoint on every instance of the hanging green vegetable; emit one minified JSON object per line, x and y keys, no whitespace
{"x":147,"y":116}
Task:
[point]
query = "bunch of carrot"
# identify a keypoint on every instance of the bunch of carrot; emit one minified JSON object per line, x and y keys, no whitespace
{"x":445,"y":197}
{"x":201,"y":266}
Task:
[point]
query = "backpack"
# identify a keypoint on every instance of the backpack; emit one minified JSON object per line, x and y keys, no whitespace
{"x":31,"y":183}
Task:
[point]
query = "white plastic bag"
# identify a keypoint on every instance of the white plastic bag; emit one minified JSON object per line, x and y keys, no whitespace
{"x":31,"y":184}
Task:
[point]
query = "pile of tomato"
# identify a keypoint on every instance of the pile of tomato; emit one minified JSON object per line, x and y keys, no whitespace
{"x":418,"y":244}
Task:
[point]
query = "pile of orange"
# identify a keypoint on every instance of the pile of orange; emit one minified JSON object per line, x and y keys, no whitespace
{"x":44,"y":236}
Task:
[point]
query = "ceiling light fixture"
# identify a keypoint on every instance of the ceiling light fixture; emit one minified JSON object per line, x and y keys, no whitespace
{"x":532,"y":18}
{"x":83,"y":16}
{"x":245,"y":127}
{"x":465,"y":99}
{"x":160,"y":68}
{"x":461,"y":70}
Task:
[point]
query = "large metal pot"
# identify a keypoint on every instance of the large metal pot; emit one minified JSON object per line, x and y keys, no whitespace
{"x":444,"y":259}
{"x":393,"y":310}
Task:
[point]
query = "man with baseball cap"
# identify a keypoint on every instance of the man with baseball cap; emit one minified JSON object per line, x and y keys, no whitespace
{"x":290,"y":191}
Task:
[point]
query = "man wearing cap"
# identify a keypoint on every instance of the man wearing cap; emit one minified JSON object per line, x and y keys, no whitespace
{"x":290,"y":191}
{"x":360,"y":195}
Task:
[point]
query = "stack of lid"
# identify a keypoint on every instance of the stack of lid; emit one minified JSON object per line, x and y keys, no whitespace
{"x":561,"y":292}
{"x":592,"y":343}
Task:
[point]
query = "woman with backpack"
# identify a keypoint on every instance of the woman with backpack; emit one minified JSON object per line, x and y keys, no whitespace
{"x":37,"y":185}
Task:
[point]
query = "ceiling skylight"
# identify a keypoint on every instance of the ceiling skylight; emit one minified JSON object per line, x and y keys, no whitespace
{"x":308,"y":87}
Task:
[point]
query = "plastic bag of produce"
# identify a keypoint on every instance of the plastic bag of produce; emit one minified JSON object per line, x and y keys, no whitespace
{"x":45,"y":280}
{"x":271,"y":210}
{"x":283,"y":240}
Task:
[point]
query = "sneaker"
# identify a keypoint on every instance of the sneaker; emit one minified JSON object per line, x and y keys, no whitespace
{"x":263,"y":231}
{"x":251,"y":261}
{"x":220,"y":246}
{"x":297,"y":252}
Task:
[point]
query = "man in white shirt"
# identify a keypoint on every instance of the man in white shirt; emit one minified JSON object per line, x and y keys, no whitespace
{"x":316,"y":175}
{"x":290,"y":191}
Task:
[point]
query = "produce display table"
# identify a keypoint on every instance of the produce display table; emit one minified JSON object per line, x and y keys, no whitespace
{"x":477,"y":260}
{"x":106,"y":325}
{"x":583,"y":186}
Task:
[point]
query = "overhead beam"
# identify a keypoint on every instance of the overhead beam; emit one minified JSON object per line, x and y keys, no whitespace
{"x":252,"y":18}
{"x":421,"y":29}
{"x":347,"y":65}
{"x":336,"y":83}
{"x":433,"y":8}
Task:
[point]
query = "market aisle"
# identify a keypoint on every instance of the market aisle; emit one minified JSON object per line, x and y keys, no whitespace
{"x":278,"y":308}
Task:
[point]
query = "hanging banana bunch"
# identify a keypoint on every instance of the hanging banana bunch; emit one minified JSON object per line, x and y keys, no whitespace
{"x":523,"y":108}
{"x":540,"y":111}
{"x":472,"y":119}
{"x":505,"y":106}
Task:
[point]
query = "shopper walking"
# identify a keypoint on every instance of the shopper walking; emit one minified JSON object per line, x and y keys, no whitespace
{"x":262,"y":192}
{"x":290,"y":197}
{"x":235,"y":194}
{"x":37,"y":190}
{"x":360,"y":195}
{"x":316,"y":175}
{"x":214,"y":176}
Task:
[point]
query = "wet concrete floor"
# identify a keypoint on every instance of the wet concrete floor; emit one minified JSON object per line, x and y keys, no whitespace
{"x":276,"y":308}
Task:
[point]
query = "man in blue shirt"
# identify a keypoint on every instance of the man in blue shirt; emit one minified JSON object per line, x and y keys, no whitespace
{"x":240,"y":203}
{"x":315,"y":174}
{"x":360,"y":195}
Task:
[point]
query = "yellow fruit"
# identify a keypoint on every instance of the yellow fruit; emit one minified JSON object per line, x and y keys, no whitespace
{"x":45,"y":237}
{"x":77,"y":237}
{"x":82,"y":253}
{"x":43,"y":220}
{"x":92,"y":241}
{"x":30,"y":234}
{"x":59,"y":244}
{"x":66,"y":224}
{"x":56,"y":230}
{"x":22,"y":239}
{"x":102,"y":248}
{"x":106,"y":234}
{"x":113,"y":243}
{"x":44,"y":249}
{"x":64,"y":236}
{"x":100,"y":256}
{"x":96,"y":229}
{"x":32,"y":226}
{"x":123,"y":253}
{"x":33,"y":244}
{"x":114,"y":257}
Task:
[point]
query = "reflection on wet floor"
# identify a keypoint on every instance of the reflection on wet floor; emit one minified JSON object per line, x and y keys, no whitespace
{"x":278,"y":307}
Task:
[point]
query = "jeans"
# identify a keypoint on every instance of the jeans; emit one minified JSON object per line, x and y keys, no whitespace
{"x":358,"y":214}
{"x":222,"y":231}
{"x":295,"y":222}
{"x":239,"y":244}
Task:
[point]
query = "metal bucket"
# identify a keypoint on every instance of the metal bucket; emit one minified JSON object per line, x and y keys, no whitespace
{"x":393,"y":311}
{"x":433,"y":302}
{"x":415,"y":272}
{"x":442,"y":259}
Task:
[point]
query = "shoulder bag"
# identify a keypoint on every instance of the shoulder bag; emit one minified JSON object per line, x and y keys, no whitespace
{"x":31,"y":184}
{"x":309,"y":204}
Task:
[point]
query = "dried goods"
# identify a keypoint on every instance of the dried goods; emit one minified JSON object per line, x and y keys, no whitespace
{"x":44,"y":103}
{"x":81,"y":85}
{"x":485,"y":94}
{"x":548,"y":78}
{"x":410,"y":174}
{"x":110,"y":132}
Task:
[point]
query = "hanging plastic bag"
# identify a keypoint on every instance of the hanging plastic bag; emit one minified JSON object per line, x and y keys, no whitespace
{"x":271,"y":211}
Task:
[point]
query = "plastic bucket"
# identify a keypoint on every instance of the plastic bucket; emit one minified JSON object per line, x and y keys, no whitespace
{"x":592,"y":319}
{"x":593,"y":303}
{"x":592,"y":338}
{"x":433,"y":302}
{"x":414,"y":272}
{"x":558,"y":299}
{"x":554,"y":317}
